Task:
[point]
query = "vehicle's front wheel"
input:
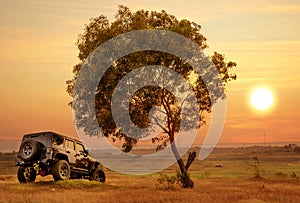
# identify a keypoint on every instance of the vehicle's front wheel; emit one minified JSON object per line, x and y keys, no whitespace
{"x":99,"y":175}
{"x":26,"y":174}
{"x":61,"y":170}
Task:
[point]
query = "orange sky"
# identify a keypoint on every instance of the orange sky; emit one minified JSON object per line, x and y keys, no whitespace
{"x":37,"y":54}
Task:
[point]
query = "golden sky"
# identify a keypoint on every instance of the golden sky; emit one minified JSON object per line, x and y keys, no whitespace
{"x":38,"y":52}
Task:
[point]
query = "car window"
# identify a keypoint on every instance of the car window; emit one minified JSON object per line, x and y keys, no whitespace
{"x":79,"y":147}
{"x":70,"y":144}
{"x":58,"y":140}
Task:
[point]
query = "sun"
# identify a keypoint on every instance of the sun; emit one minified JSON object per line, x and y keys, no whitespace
{"x":262,"y":99}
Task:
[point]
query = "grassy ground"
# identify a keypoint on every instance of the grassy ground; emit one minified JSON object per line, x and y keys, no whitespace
{"x":233,"y":182}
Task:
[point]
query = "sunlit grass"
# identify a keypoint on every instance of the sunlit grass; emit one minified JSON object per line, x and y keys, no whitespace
{"x":233,"y":182}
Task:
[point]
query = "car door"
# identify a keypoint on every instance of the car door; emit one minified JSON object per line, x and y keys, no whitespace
{"x":70,"y":150}
{"x":82,"y":159}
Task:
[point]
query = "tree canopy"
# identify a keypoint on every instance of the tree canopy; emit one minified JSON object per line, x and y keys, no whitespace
{"x":99,"y":30}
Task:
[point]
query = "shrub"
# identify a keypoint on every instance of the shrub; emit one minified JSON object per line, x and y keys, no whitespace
{"x":255,"y":167}
{"x":166,"y":181}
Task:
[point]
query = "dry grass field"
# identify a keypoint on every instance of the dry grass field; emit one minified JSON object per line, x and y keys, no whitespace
{"x":233,"y":182}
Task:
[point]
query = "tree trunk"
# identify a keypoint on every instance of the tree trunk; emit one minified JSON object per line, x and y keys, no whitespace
{"x":191,"y":158}
{"x":185,"y":179}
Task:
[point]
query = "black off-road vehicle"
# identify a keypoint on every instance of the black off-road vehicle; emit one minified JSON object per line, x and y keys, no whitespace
{"x":45,"y":153}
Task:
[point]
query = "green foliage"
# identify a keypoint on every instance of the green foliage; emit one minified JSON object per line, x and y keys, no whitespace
{"x":99,"y":30}
{"x":76,"y":183}
{"x":167,"y":181}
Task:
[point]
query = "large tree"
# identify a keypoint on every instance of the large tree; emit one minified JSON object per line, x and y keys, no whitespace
{"x":100,"y":30}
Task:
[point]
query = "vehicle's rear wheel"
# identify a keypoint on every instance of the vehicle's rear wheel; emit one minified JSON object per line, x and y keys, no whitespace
{"x":30,"y":150}
{"x":99,"y":175}
{"x":61,"y":170}
{"x":26,"y":174}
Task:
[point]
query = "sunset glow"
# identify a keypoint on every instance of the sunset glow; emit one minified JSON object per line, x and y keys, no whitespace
{"x":38,"y":53}
{"x":262,"y":99}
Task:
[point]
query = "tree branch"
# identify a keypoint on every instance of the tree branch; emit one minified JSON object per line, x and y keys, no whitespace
{"x":157,"y":123}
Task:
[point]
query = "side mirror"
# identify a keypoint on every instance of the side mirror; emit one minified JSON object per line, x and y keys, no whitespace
{"x":86,"y":151}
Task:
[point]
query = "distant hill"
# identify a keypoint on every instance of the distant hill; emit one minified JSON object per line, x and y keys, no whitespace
{"x":9,"y":145}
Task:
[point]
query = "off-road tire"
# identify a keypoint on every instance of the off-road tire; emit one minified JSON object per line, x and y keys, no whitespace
{"x":61,"y":170}
{"x":30,"y":177}
{"x":99,"y":175}
{"x":30,"y":150}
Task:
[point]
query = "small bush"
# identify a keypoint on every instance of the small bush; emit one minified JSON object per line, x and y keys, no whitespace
{"x":166,"y":181}
{"x":255,"y":167}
